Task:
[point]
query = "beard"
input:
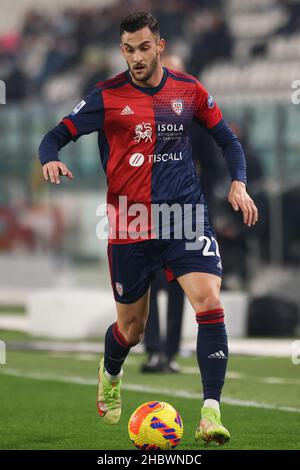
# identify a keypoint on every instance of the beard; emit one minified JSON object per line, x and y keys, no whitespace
{"x":146,"y":73}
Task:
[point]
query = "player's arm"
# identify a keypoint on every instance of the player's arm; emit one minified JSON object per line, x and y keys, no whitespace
{"x":209,"y":114}
{"x":87,"y":117}
{"x":233,"y":152}
{"x":53,"y":141}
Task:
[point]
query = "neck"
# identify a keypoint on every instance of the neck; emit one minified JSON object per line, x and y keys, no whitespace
{"x":153,"y":81}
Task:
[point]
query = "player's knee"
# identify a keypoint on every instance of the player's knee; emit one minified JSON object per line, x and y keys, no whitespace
{"x":133,"y":331}
{"x":134,"y":338}
{"x":207,"y":302}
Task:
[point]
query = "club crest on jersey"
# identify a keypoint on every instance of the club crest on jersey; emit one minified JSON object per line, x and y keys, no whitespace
{"x":119,"y":288}
{"x":143,"y":131}
{"x":177,"y":106}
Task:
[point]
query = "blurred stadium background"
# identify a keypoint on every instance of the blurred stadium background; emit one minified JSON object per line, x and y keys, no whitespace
{"x":54,"y":284}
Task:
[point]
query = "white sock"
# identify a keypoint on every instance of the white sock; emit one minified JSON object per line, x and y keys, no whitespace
{"x":114,"y":378}
{"x":212,"y":404}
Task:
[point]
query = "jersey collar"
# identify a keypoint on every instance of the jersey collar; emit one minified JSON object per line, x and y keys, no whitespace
{"x":149,"y":90}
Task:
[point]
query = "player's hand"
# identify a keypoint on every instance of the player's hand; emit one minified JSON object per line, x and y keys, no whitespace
{"x":54,"y":169}
{"x":240,"y":199}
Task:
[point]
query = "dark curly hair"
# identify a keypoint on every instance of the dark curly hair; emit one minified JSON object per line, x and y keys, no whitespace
{"x":139,"y":20}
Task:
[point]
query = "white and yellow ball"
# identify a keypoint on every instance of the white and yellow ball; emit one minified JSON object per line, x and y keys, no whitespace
{"x":155,"y":425}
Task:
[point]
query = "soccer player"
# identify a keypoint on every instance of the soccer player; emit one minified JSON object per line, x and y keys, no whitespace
{"x":142,"y":117}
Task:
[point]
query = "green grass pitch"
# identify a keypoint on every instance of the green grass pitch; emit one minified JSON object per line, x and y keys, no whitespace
{"x":48,"y":401}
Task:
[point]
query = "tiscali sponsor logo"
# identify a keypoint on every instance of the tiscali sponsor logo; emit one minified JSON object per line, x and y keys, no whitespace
{"x":165,"y":157}
{"x":137,"y":159}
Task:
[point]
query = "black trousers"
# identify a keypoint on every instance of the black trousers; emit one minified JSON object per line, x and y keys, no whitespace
{"x":153,"y":341}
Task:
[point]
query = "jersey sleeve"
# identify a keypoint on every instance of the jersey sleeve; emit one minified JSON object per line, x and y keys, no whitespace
{"x":87,"y":117}
{"x":207,"y":111}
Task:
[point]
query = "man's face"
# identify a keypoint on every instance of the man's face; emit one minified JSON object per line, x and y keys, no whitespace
{"x":141,"y":50}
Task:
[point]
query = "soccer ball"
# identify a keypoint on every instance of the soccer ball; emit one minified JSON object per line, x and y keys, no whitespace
{"x":155,"y":425}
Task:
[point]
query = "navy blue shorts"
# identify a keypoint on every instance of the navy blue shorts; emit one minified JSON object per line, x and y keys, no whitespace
{"x":133,"y":266}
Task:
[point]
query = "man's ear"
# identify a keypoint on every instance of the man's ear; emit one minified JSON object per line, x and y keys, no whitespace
{"x":161,"y":45}
{"x":122,"y":48}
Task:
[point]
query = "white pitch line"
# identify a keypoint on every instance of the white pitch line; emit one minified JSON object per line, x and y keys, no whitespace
{"x":188,"y":370}
{"x":147,"y":389}
{"x":233,"y":375}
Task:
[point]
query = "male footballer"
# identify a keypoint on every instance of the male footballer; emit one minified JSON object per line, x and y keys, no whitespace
{"x":143,"y":118}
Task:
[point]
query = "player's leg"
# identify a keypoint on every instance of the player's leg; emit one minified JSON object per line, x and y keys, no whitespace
{"x":174,"y":325}
{"x":152,"y":339}
{"x":131,"y":276}
{"x":132,"y":268}
{"x":125,"y":333}
{"x":203,"y":292}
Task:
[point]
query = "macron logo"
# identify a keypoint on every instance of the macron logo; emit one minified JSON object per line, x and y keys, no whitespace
{"x":127,"y":110}
{"x":217,"y":355}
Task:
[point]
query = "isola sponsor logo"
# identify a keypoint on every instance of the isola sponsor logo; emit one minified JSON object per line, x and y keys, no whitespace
{"x":137,"y":159}
{"x":168,"y":127}
{"x":168,"y":131}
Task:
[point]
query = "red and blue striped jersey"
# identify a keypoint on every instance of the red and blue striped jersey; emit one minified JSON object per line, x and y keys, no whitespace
{"x":144,"y":137}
